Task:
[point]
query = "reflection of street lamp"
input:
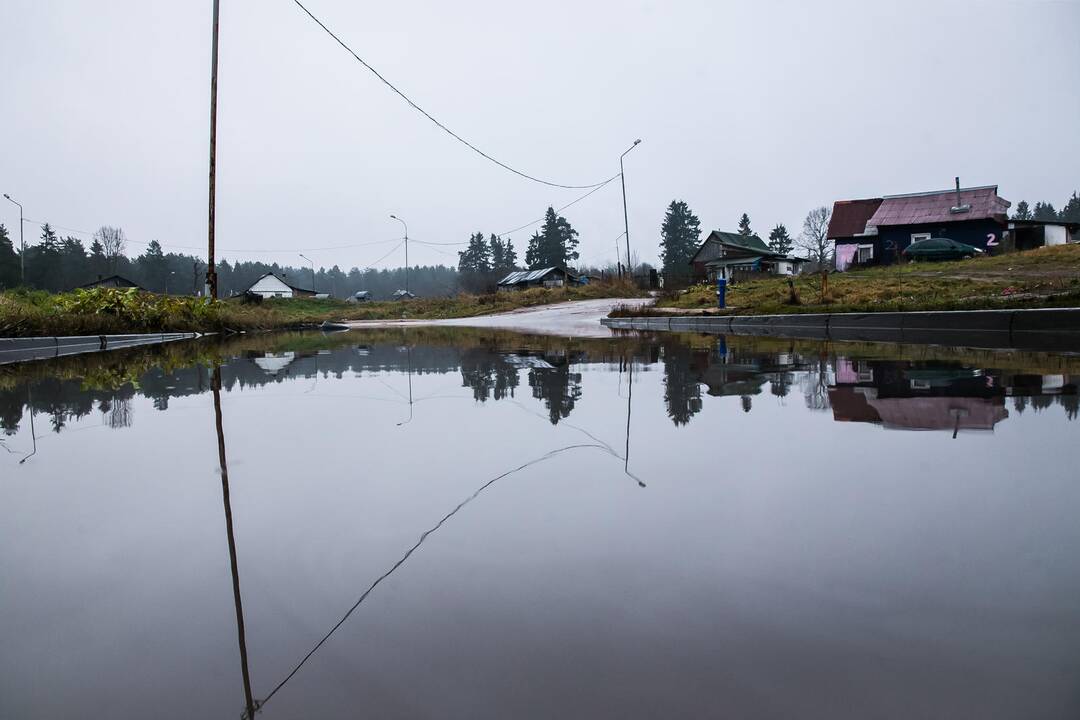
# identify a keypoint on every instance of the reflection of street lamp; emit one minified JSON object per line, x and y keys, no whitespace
{"x":406,"y":251}
{"x":312,"y":270}
{"x":626,"y":221}
{"x":22,"y":245}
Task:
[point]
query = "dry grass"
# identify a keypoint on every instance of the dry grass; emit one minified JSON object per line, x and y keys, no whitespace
{"x":35,"y":313}
{"x":1047,"y":277}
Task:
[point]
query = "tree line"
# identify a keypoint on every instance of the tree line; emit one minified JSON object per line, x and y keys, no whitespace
{"x":60,"y":264}
{"x":1070,"y":211}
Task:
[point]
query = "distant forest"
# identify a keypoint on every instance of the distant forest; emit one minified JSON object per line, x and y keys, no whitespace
{"x":59,"y":264}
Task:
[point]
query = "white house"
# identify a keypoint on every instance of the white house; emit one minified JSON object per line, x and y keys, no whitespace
{"x":272,"y":286}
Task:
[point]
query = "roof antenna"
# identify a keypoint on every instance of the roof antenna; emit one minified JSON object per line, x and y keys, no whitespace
{"x":958,"y":208}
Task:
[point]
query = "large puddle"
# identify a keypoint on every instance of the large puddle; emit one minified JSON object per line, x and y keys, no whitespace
{"x":447,"y":523}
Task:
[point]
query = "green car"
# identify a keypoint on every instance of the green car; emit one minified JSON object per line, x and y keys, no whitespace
{"x":940,"y":249}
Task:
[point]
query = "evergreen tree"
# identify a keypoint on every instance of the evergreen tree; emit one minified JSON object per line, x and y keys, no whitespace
{"x":554,"y":245}
{"x":1023,"y":212}
{"x":99,"y":264}
{"x":43,"y":261}
{"x":679,"y":235}
{"x":9,"y":261}
{"x":779,"y":241}
{"x":509,"y":256}
{"x":476,"y":257}
{"x":153,"y":266}
{"x":744,"y":226}
{"x":1071,"y":211}
{"x":1045,"y":211}
{"x":73,"y":263}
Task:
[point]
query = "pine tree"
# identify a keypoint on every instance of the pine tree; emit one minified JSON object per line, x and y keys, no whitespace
{"x":744,"y":226}
{"x":1023,"y":212}
{"x":554,"y":245}
{"x":9,"y":261}
{"x":510,"y":258}
{"x":73,"y":263}
{"x":679,"y":235}
{"x":476,"y":257}
{"x":153,"y":266}
{"x":99,"y":264}
{"x":779,"y":240}
{"x":43,"y":261}
{"x":1071,"y":211}
{"x":1045,"y":211}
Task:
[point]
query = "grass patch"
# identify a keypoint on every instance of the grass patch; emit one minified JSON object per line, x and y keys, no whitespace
{"x":105,"y":311}
{"x":1047,"y":277}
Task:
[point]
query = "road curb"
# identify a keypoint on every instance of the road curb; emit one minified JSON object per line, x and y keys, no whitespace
{"x":13,"y":350}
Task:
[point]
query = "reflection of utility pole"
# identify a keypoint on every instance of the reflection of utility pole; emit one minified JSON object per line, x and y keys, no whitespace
{"x":216,"y":387}
{"x":629,"y":400}
{"x":33,"y":434}
{"x":408,"y":349}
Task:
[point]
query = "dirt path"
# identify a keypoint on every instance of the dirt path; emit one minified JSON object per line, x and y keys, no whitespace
{"x":577,"y":318}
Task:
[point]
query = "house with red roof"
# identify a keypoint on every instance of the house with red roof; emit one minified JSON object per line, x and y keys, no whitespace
{"x":874,"y":231}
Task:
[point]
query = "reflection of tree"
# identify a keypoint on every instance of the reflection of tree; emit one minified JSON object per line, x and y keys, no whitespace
{"x":558,"y":388}
{"x":120,"y":415}
{"x":1041,"y":402}
{"x":1071,"y":403}
{"x":780,"y":384}
{"x":815,"y":384}
{"x":488,"y":374}
{"x":747,"y":403}
{"x":682,"y":392}
{"x":1020,"y":403}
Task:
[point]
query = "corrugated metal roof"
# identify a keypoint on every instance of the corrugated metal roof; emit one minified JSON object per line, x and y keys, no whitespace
{"x":935,"y":207}
{"x":849,"y":217}
{"x":525,"y":276}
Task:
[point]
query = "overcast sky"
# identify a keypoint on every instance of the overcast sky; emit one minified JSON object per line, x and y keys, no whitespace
{"x":765,"y":107}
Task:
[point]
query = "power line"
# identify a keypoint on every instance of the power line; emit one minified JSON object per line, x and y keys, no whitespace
{"x":559,"y":210}
{"x":425,"y":113}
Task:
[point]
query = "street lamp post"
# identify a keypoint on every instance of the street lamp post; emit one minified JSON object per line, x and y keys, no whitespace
{"x":626,"y":221}
{"x":406,"y":250}
{"x":171,"y":272}
{"x":312,"y":270}
{"x":22,"y":245}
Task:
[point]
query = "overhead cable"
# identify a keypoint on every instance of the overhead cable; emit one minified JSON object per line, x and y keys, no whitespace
{"x":448,"y":131}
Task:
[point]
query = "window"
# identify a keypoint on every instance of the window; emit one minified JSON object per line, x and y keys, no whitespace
{"x":865,"y":254}
{"x":915,"y":237}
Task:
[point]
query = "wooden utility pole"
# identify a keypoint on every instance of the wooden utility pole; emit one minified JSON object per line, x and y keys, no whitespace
{"x":211,"y":272}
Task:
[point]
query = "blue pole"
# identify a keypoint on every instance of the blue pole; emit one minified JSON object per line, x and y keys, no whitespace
{"x":721,"y":292}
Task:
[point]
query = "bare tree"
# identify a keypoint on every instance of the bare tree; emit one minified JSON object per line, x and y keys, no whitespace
{"x":815,"y":236}
{"x":113,"y":243}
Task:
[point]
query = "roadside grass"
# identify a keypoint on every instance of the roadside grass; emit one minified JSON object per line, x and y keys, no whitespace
{"x":103,"y":311}
{"x":1047,"y":277}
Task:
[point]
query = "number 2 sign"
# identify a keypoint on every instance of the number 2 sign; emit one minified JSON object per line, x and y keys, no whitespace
{"x":991,"y":240}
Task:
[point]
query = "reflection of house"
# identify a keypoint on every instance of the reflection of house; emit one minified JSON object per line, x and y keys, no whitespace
{"x":544,"y":277}
{"x":272,"y":286}
{"x":902,"y":396}
{"x":724,"y":254}
{"x":975,"y":216}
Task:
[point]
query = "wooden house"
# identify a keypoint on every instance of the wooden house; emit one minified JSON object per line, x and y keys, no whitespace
{"x":730,"y":255}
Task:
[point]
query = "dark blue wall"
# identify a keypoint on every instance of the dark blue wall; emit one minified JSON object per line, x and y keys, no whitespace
{"x":971,"y":232}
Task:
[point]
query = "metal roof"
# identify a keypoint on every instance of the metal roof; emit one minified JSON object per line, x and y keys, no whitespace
{"x":849,"y":217}
{"x":525,"y":276}
{"x":934,"y":207}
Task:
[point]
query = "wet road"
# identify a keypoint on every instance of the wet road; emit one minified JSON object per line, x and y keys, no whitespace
{"x":578,"y":318}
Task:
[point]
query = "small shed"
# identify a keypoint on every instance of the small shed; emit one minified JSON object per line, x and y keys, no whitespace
{"x":1030,"y":234}
{"x":402,"y":295}
{"x":360,"y":296}
{"x":550,"y":277}
{"x":112,"y":281}
{"x":271,"y":285}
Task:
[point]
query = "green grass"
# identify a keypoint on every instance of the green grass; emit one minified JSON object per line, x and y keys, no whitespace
{"x":1048,"y":277}
{"x":103,"y":311}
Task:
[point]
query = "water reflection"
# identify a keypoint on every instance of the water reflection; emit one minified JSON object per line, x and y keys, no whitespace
{"x":578,"y":569}
{"x":924,"y":392}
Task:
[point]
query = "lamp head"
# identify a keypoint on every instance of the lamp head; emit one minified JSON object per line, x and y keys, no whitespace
{"x":637,"y":141}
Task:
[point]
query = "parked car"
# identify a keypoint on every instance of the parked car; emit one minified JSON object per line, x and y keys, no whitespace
{"x":940,"y":249}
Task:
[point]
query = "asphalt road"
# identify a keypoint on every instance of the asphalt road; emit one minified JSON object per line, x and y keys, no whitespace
{"x":579,"y":318}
